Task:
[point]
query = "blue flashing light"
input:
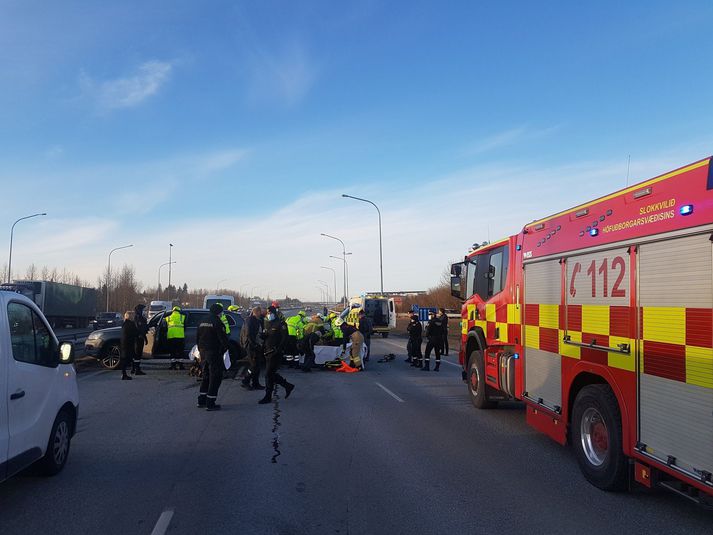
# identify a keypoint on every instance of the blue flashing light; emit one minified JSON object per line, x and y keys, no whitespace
{"x":686,"y":209}
{"x":594,"y":231}
{"x":516,"y":355}
{"x":518,"y":247}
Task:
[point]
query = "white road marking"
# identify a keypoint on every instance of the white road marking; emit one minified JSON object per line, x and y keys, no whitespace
{"x":163,"y":521}
{"x":389,"y":392}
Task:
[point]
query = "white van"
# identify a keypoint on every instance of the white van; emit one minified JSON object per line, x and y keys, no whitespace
{"x":39,"y":399}
{"x":157,"y":307}
{"x":225,"y":300}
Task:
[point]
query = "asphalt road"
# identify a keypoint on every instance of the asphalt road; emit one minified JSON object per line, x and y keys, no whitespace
{"x":390,"y":450}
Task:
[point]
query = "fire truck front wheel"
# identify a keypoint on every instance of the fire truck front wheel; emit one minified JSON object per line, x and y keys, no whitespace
{"x":476,"y":381}
{"x":597,"y":438}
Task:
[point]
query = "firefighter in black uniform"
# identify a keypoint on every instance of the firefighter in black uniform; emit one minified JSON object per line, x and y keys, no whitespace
{"x":142,"y":327}
{"x":212,"y":343}
{"x":275,"y":335}
{"x":252,"y":343}
{"x":444,"y":324}
{"x":434,"y":333}
{"x":415,"y":339}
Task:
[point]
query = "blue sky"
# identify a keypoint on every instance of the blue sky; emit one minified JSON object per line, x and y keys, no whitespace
{"x":231,"y":128}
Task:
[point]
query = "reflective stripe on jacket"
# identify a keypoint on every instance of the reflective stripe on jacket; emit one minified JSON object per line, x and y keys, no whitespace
{"x":224,"y":319}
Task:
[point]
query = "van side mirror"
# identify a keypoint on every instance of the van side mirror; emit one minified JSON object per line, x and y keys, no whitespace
{"x":66,"y":353}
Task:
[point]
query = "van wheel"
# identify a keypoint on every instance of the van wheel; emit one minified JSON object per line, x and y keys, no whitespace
{"x":111,"y":357}
{"x":476,"y":382}
{"x":597,"y":438}
{"x":58,"y":446}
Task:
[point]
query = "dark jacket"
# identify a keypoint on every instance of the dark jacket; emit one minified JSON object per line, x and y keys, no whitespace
{"x":434,"y":329}
{"x":141,"y":323}
{"x":250,"y":334}
{"x":415,"y":330}
{"x":129,"y":336}
{"x":211,"y":338}
{"x":275,"y":333}
{"x":444,"y":321}
{"x":366,"y":327}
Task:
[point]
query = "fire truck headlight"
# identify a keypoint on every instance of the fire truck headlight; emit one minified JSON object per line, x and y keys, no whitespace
{"x":686,"y":209}
{"x":594,"y":231}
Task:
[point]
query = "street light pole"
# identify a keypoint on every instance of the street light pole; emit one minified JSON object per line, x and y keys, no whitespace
{"x":381,"y":256}
{"x":108,"y":272}
{"x":344,"y":254}
{"x":334,"y":274}
{"x":158,"y":290}
{"x":170,"y":250}
{"x":346,"y":277}
{"x":12,"y":232}
{"x":326,"y":287}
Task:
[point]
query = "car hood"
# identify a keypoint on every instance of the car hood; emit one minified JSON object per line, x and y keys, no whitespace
{"x":109,"y":331}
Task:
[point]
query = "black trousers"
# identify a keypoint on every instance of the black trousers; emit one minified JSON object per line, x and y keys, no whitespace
{"x":127,"y":359}
{"x":309,"y":342}
{"x":444,"y":345}
{"x":255,"y":356}
{"x":212,"y":375}
{"x":175,"y":346}
{"x":272,"y":377}
{"x":138,"y":352}
{"x":435,"y":345}
{"x":413,"y":348}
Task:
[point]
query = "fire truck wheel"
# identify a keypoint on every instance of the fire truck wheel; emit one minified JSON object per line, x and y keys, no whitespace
{"x":597,"y":439}
{"x":476,"y":382}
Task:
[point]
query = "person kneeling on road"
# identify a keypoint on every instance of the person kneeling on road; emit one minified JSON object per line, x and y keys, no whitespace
{"x":212,"y":343}
{"x":357,"y":340}
{"x":275,"y":334}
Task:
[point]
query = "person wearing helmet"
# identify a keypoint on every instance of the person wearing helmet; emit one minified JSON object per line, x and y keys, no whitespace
{"x":175,"y":335}
{"x":357,"y":340}
{"x":279,"y":313}
{"x":338,"y":338}
{"x":233,"y":308}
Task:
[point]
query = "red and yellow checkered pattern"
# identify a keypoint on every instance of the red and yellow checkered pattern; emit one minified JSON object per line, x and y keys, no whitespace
{"x":501,"y":323}
{"x":676,"y":342}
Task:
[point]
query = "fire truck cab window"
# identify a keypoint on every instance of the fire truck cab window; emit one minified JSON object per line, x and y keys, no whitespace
{"x":491,"y":272}
{"x":472,"y":269}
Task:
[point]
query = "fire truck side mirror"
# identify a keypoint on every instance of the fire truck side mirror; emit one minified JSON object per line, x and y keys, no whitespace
{"x":456,"y":287}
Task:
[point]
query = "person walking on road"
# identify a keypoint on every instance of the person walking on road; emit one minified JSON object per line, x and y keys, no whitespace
{"x":275,"y":333}
{"x":129,"y":336}
{"x":143,"y":328}
{"x":444,"y":323}
{"x":434,"y":333}
{"x":252,"y":342}
{"x":175,"y":334}
{"x":366,"y":328}
{"x":212,"y":343}
{"x":415,"y":339}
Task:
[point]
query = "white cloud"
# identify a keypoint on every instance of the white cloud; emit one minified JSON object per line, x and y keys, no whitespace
{"x":128,"y":91}
{"x":284,"y":76}
{"x":507,"y":138}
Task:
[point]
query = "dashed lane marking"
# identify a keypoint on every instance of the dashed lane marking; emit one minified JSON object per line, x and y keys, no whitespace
{"x":163,"y":521}
{"x":389,"y":392}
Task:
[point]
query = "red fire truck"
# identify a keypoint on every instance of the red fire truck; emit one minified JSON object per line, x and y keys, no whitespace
{"x":600,"y":319}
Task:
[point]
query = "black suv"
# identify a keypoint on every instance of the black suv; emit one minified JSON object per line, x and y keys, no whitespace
{"x":104,"y":343}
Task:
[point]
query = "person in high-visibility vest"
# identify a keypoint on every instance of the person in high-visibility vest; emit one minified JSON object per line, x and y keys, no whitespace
{"x":338,"y":338}
{"x":176,"y":336}
{"x":224,"y":319}
{"x":295,"y":335}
